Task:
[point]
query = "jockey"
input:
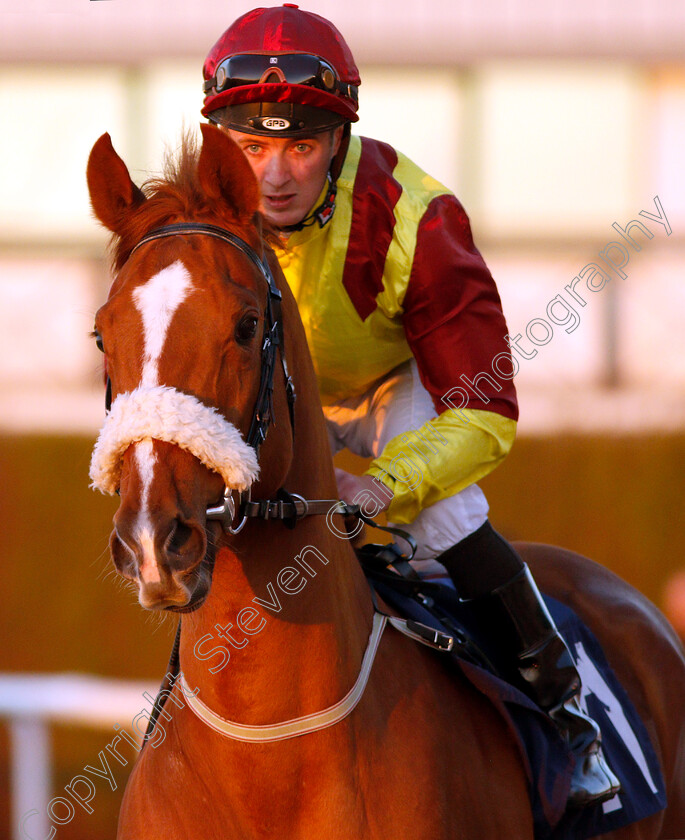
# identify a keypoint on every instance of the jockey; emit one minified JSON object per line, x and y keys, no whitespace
{"x":405,"y":328}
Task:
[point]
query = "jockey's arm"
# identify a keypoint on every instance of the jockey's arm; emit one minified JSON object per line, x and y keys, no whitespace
{"x":462,"y":452}
{"x":455,"y":328}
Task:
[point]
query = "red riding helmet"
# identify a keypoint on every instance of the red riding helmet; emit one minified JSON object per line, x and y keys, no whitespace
{"x":281,"y":72}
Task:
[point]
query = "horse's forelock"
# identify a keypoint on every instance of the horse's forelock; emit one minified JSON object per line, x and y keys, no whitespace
{"x":178,"y":195}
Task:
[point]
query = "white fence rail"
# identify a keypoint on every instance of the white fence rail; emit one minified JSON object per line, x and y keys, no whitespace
{"x":30,"y":703}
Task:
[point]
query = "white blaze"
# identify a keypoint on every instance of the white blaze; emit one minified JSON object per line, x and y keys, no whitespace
{"x":157,"y":301}
{"x":145,"y":460}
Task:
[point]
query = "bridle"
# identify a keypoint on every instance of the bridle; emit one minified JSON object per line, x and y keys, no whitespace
{"x":262,"y":415}
{"x":288,"y":508}
{"x":273,"y":333}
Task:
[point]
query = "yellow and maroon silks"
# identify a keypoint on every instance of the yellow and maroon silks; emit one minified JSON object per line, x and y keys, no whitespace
{"x":395,"y":274}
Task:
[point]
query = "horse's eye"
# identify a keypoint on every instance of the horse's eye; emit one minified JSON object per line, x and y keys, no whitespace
{"x":98,"y":341}
{"x":246,"y":329}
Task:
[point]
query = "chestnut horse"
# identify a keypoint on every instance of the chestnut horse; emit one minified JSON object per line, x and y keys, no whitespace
{"x":278,"y":619}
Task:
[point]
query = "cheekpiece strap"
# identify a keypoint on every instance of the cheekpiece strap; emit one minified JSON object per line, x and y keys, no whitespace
{"x":273,"y":334}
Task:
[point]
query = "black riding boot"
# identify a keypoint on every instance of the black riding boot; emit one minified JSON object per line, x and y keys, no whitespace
{"x":541,"y":656}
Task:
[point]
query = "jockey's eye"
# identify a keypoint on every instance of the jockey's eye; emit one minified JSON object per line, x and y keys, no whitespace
{"x":246,"y":329}
{"x":98,"y":341}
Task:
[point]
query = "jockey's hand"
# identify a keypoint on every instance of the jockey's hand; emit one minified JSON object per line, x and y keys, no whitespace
{"x":350,"y":486}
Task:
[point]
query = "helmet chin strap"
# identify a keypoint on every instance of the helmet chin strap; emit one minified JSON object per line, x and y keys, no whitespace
{"x":322,"y":214}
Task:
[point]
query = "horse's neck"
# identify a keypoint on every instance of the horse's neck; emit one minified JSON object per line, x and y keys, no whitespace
{"x":298,"y":648}
{"x":296,"y":620}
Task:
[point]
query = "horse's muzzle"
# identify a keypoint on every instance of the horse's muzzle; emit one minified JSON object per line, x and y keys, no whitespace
{"x":162,"y":557}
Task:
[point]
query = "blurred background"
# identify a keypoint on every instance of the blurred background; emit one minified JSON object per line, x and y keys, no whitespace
{"x":550,"y":120}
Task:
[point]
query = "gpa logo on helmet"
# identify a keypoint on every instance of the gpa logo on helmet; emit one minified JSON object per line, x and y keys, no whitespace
{"x":275,"y":123}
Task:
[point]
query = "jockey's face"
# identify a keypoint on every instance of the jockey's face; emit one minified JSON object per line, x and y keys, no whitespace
{"x":291,"y":171}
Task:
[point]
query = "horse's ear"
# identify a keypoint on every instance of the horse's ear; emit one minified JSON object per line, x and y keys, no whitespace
{"x":112,"y":192}
{"x":225,"y":174}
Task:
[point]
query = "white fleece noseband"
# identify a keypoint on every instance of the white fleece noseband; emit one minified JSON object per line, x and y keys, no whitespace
{"x":166,"y":414}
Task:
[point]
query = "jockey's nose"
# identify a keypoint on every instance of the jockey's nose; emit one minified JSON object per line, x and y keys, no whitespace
{"x":276,"y":173}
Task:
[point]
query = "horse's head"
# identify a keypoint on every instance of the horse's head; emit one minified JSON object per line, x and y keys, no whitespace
{"x":184,"y":329}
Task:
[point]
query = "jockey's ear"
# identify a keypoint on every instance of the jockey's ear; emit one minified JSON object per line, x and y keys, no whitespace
{"x":112,"y":192}
{"x":226,"y":175}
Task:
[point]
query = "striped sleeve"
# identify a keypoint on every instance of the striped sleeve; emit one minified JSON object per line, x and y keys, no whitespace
{"x":464,"y":446}
{"x":453,"y":316}
{"x":455,"y":328}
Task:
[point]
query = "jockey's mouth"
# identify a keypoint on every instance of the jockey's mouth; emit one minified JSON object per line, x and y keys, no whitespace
{"x":279,"y":202}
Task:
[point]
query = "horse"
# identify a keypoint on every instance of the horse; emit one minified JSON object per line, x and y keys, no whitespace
{"x":296,"y":715}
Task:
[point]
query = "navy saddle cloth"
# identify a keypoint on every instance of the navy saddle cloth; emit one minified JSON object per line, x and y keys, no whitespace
{"x":548,"y":763}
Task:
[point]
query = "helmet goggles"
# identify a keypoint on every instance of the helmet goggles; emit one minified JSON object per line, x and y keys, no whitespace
{"x":290,"y":68}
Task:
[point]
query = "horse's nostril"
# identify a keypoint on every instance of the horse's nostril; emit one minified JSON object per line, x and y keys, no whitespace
{"x":184,"y":540}
{"x":179,"y":536}
{"x":123,"y":557}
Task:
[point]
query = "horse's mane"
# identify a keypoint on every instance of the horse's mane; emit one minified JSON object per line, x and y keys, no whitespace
{"x":174,"y":195}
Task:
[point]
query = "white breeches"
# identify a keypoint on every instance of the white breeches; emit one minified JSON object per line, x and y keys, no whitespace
{"x":364,"y":425}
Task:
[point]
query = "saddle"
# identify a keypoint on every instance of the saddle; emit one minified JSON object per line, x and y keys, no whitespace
{"x":437,"y":617}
